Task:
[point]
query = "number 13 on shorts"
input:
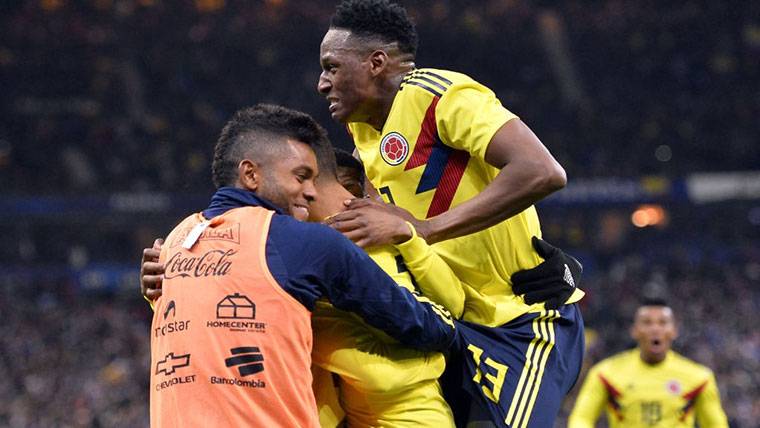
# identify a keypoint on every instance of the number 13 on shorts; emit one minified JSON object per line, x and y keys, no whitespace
{"x":489,"y":374}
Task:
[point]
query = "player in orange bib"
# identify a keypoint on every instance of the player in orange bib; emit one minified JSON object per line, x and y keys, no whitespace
{"x":231,"y":335}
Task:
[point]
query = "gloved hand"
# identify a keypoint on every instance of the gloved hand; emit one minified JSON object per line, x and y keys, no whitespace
{"x":552,"y":281}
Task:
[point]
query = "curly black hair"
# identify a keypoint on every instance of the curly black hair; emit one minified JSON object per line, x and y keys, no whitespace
{"x":257,"y":132}
{"x":379,"y":18}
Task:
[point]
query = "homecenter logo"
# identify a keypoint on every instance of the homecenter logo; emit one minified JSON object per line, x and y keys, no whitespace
{"x":236,"y":312}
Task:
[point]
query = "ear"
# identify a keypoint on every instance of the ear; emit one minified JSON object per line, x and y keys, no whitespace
{"x":378,"y":62}
{"x":632,"y":332}
{"x":249,"y":175}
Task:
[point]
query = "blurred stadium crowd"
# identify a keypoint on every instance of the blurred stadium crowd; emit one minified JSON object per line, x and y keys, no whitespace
{"x":129,"y":94}
{"x":107,"y":96}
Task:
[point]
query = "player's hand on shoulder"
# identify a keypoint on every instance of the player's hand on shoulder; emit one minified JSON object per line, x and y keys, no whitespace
{"x":370,"y":223}
{"x":553,"y":281}
{"x":151,"y":271}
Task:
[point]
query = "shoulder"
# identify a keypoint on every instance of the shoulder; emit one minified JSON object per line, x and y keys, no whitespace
{"x":432,"y":81}
{"x":180,"y":231}
{"x":691,"y":366}
{"x":302,"y":231}
{"x":310,"y":238}
{"x":447,"y":77}
{"x":615,"y":362}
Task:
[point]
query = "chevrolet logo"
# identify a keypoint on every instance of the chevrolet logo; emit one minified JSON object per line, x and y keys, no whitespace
{"x":170,"y":363}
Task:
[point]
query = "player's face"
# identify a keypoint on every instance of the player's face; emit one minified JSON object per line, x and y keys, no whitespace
{"x":351,"y":180}
{"x":346,"y":79}
{"x":288,"y":182}
{"x":654,"y":329}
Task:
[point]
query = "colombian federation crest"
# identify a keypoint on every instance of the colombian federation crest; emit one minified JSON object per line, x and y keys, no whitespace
{"x":394,"y":148}
{"x":673,"y":387}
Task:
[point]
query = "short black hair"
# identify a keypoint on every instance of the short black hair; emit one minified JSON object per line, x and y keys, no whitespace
{"x":347,"y":160}
{"x":258,"y":132}
{"x":377,"y":18}
{"x":653,"y":301}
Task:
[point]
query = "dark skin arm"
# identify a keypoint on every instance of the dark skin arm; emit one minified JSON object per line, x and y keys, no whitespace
{"x":528,"y":174}
{"x":151,"y":271}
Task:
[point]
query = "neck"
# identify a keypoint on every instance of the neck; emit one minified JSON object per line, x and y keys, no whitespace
{"x":652,"y":359}
{"x":387,"y":93}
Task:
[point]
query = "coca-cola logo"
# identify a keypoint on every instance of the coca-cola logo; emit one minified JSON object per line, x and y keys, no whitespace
{"x":213,"y":263}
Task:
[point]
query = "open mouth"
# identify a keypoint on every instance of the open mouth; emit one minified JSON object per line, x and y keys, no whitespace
{"x":300,"y":212}
{"x":333,"y":104}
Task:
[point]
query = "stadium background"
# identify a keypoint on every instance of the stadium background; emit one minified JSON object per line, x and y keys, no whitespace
{"x":109,"y":111}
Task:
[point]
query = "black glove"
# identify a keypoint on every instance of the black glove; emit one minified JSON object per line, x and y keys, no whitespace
{"x":553,"y":281}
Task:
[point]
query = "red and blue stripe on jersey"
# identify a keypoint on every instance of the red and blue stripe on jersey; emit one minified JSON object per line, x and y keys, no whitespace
{"x":444,"y":165}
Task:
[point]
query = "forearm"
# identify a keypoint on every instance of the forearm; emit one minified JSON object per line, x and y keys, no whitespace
{"x":514,"y":189}
{"x":433,"y":275}
{"x":363,"y":288}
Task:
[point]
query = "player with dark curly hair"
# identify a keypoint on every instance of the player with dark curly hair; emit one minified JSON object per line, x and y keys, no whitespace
{"x":467,"y":171}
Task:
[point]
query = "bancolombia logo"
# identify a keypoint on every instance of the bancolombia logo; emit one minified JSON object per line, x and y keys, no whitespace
{"x":213,"y":263}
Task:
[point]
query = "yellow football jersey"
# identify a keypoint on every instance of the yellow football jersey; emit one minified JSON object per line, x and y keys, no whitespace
{"x":430,"y":157}
{"x":666,"y":395}
{"x":382,"y":383}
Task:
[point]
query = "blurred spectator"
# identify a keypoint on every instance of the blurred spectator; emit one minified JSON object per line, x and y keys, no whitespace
{"x":129,"y":95}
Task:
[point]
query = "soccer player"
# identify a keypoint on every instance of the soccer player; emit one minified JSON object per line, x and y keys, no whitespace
{"x":231,"y":334}
{"x":651,"y":385}
{"x":350,"y":173}
{"x":381,"y":382}
{"x":442,"y":147}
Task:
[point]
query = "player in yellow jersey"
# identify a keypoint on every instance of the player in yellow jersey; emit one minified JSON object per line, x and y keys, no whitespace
{"x":651,"y":385}
{"x":466,"y":171}
{"x":350,"y":173}
{"x":381,"y":383}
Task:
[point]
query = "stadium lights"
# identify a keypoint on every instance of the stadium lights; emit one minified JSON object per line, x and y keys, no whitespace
{"x":649,"y":215}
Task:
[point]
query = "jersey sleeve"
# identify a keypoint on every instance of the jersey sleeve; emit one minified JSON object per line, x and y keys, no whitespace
{"x":590,"y":402}
{"x":362,"y":357}
{"x":325,"y":263}
{"x":433,"y":275}
{"x":468,"y":115}
{"x":708,"y":409}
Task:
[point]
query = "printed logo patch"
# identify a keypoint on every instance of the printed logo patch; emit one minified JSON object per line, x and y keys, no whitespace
{"x":394,"y":149}
{"x":674,"y":387}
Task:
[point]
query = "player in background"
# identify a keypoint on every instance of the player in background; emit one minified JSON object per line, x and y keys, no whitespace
{"x":650,"y":385}
{"x":442,"y":147}
{"x":232,"y":337}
